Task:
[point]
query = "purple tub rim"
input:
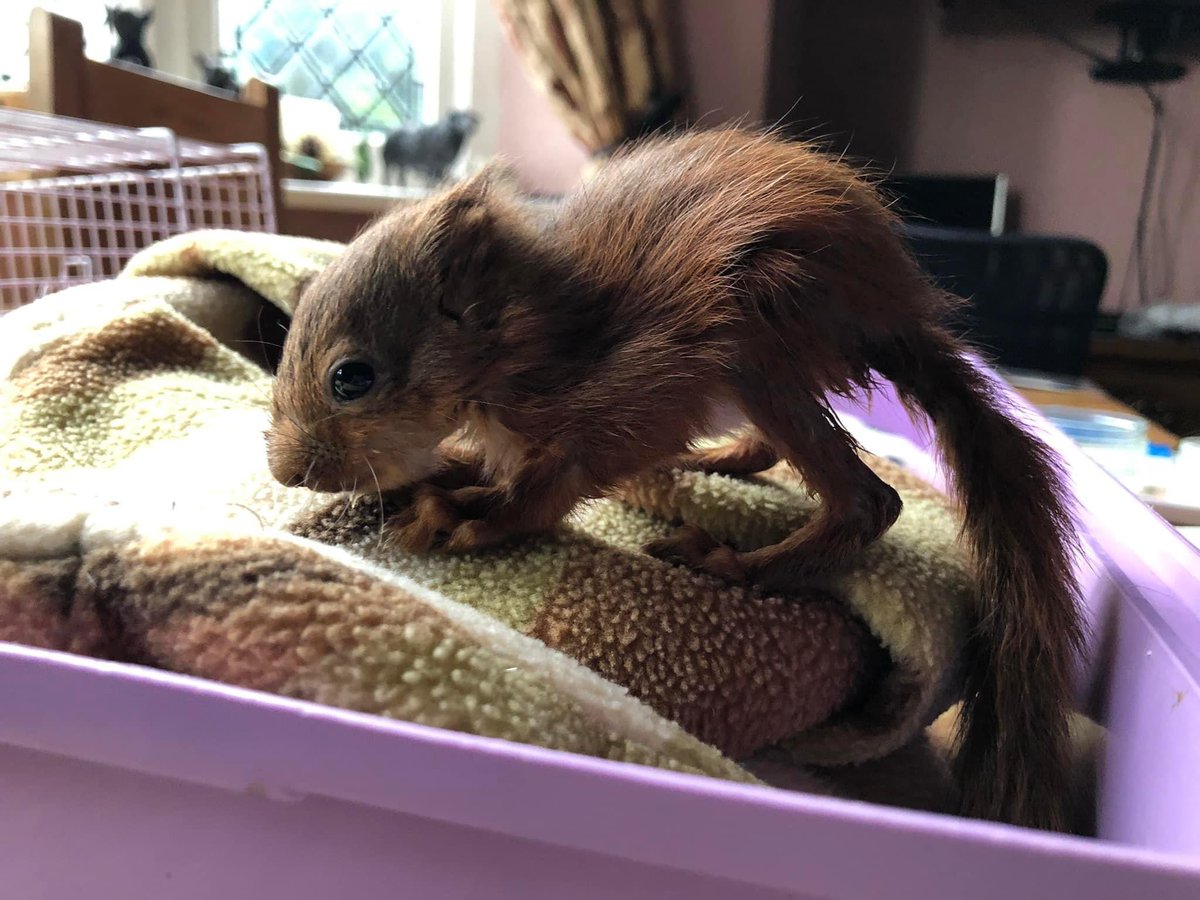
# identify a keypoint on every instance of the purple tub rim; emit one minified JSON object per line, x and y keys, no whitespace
{"x":190,"y":746}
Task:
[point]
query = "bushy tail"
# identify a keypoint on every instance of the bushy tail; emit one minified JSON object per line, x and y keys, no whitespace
{"x":1014,"y":752}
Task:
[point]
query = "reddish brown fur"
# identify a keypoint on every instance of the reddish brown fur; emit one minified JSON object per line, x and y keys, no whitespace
{"x":596,"y":342}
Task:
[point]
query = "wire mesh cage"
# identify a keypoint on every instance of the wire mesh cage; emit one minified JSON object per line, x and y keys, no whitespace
{"x":78,"y":199}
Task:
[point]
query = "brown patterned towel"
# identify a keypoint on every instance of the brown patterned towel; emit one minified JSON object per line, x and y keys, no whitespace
{"x":138,"y":522}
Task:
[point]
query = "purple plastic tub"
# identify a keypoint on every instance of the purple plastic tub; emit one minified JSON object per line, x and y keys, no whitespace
{"x":121,"y":782}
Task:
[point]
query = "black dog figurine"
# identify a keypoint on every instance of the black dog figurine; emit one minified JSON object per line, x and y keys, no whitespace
{"x":216,"y":74}
{"x":129,"y":26}
{"x":428,"y":150}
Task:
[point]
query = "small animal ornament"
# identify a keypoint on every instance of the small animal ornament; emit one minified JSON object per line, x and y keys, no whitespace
{"x":129,"y":27}
{"x":217,"y":74}
{"x":587,"y":343}
{"x":428,"y":150}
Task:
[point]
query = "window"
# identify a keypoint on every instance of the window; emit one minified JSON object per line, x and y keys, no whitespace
{"x":377,"y":63}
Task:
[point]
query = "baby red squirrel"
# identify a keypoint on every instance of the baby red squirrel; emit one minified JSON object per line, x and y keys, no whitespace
{"x":577,"y":348}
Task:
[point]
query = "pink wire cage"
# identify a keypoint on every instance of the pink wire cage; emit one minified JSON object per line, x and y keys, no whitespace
{"x":78,"y":199}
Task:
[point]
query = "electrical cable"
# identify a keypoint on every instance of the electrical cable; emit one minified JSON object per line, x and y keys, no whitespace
{"x":1144,"y":204}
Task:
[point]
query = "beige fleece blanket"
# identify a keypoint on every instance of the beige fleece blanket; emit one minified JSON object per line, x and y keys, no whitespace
{"x":138,"y":522}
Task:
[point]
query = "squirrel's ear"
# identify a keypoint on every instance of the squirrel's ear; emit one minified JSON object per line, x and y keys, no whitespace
{"x":491,"y":183}
{"x":468,"y":242}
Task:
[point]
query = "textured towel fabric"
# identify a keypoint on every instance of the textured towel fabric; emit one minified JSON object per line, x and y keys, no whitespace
{"x":138,"y":522}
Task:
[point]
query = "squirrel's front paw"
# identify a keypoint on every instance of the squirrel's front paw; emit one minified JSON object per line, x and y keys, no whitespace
{"x":455,"y":521}
{"x":430,"y":520}
{"x":472,"y":535}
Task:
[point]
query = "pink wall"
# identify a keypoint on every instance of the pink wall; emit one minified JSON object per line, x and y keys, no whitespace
{"x":724,"y":46}
{"x":1074,"y":149}
{"x":547,"y":158}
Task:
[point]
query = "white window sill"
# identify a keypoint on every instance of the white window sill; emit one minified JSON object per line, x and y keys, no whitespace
{"x":345,"y":196}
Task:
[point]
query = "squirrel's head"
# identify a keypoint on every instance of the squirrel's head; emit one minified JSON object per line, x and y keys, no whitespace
{"x":390,"y":342}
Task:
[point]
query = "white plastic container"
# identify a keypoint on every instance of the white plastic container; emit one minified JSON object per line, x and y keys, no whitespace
{"x":1117,"y":442}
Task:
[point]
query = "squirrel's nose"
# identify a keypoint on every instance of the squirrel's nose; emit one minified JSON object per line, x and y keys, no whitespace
{"x":295,"y":479}
{"x":288,"y":476}
{"x":314,"y":475}
{"x":288,"y":468}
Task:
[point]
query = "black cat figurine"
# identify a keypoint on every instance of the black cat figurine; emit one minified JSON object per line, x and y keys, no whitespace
{"x":217,"y":74}
{"x":129,"y":27}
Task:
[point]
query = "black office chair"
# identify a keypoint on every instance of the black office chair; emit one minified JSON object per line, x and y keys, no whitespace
{"x":1032,"y":299}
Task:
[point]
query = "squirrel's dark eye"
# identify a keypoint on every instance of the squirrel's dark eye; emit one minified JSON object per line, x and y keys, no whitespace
{"x":351,"y":380}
